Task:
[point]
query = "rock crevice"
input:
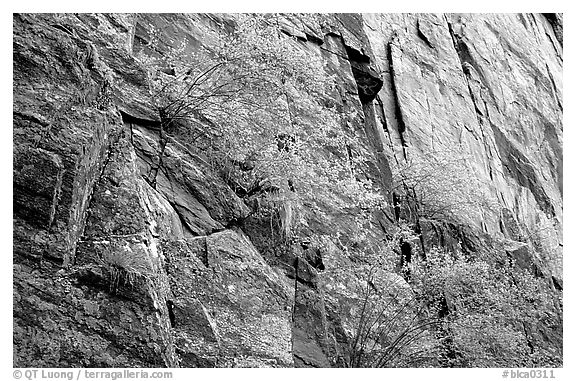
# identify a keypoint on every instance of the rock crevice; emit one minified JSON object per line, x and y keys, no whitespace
{"x":132,"y":250}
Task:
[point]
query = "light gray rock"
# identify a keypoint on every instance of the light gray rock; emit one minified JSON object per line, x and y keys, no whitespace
{"x":131,"y":250}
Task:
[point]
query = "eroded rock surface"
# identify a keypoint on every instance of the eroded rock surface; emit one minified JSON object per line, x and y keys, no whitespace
{"x":131,"y":250}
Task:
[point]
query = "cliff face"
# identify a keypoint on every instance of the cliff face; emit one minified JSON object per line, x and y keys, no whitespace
{"x":131,"y":249}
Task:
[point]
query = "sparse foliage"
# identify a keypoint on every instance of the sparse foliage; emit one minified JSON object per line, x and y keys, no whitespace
{"x":255,"y":100}
{"x":253,"y":104}
{"x":127,"y":266}
{"x":492,"y":314}
{"x":441,"y":185}
{"x":390,"y":327}
{"x":394,"y":329}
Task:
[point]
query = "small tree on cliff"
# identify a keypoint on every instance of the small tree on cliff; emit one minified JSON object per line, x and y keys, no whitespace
{"x":254,"y":99}
{"x":441,"y":185}
{"x":393,"y":328}
{"x":493,"y":314}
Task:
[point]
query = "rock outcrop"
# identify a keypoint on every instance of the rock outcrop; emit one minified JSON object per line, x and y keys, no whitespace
{"x":131,"y":249}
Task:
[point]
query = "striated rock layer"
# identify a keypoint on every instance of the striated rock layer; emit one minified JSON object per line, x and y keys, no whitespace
{"x":98,"y":191}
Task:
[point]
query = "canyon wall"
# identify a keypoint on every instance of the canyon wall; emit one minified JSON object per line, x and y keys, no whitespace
{"x":131,"y":249}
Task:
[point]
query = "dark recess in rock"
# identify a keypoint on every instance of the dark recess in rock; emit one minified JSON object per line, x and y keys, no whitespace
{"x":368,"y":81}
{"x":171,"y":315}
{"x":127,"y":118}
{"x":397,"y":108}
{"x":314,"y":39}
{"x":422,"y":36}
{"x":557,"y":22}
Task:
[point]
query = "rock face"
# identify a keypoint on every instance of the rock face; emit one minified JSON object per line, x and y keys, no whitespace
{"x":128,"y":246}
